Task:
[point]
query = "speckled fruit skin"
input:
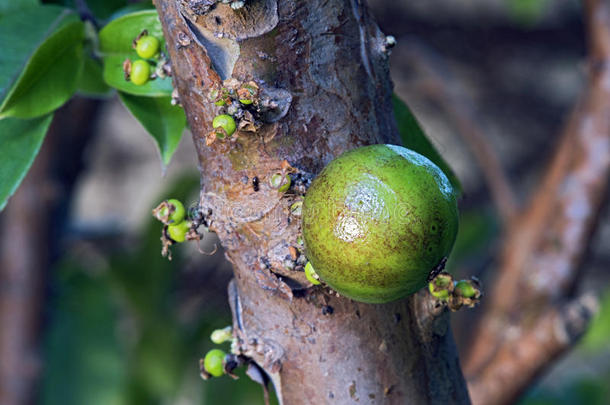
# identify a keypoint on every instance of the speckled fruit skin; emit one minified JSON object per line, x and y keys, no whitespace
{"x":377,"y":220}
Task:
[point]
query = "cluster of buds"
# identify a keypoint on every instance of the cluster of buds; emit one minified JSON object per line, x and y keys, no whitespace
{"x":455,"y":294}
{"x":239,"y":102}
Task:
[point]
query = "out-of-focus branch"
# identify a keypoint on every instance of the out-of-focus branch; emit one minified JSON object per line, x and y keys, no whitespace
{"x":545,"y":247}
{"x":556,"y":331}
{"x":457,"y":105}
{"x":23,"y":261}
{"x":28,"y":244}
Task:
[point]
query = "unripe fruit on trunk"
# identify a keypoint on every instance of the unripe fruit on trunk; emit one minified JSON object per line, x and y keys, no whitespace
{"x":377,"y":221}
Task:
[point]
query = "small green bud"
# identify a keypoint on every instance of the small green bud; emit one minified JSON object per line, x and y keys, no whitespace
{"x":247,"y":93}
{"x":177,"y":232}
{"x":178,"y":212}
{"x":226,"y":122}
{"x":221,"y":335}
{"x":311,"y":275}
{"x":441,"y":286}
{"x":465,"y":289}
{"x":140,"y":72}
{"x":280,"y":181}
{"x":217,"y":96}
{"x":213,"y":362}
{"x":296,"y":208}
{"x":147,"y":46}
{"x":170,"y":212}
{"x":440,"y":294}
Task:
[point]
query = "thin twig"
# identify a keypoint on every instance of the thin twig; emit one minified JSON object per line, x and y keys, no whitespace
{"x":456,"y":104}
{"x":545,"y":248}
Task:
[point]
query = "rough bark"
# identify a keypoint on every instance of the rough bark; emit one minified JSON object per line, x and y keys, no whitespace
{"x":331,"y":58}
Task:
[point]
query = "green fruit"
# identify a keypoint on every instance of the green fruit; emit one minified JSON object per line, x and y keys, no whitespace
{"x":465,"y":289}
{"x":377,"y":220}
{"x":177,"y":232}
{"x":213,"y":362}
{"x":178,"y":214}
{"x":226,"y":122}
{"x":147,"y":46}
{"x":140,"y":72}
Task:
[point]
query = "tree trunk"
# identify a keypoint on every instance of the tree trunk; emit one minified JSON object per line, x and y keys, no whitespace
{"x":322,"y":67}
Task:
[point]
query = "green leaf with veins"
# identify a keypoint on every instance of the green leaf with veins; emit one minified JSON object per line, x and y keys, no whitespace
{"x":163,"y":121}
{"x":41,"y":60}
{"x":20,"y":140}
{"x":116,"y":46}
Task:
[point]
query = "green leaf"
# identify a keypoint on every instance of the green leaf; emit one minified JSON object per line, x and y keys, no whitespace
{"x":7,"y":6}
{"x":115,"y":45}
{"x":51,"y":72}
{"x":20,"y":140}
{"x":91,"y":82}
{"x":527,"y":12}
{"x":20,"y":34}
{"x":131,"y":8}
{"x":413,"y":137}
{"x":163,"y":121}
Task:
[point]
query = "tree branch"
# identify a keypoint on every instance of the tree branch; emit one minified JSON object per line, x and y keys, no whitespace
{"x":502,"y":380}
{"x":544,"y":249}
{"x":29,"y":245}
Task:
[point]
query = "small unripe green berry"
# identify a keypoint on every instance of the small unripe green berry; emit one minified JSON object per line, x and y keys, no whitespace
{"x":140,"y":72}
{"x":280,"y":181}
{"x":147,"y":46}
{"x":465,"y":289}
{"x":297,"y":208}
{"x":177,"y":232}
{"x":441,"y":286}
{"x":439,"y":294}
{"x":311,"y":275}
{"x":247,"y":93}
{"x":221,"y":335}
{"x":215,"y":96}
{"x":213,"y":362}
{"x":226,"y":122}
{"x":178,"y":213}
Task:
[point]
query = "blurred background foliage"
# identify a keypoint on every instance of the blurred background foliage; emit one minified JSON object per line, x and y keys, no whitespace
{"x":122,"y":325}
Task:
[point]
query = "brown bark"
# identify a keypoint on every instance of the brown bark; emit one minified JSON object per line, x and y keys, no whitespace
{"x":330,"y":57}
